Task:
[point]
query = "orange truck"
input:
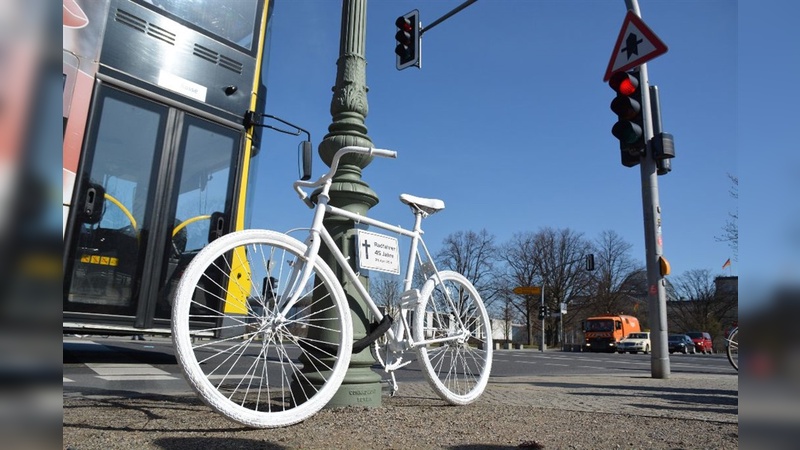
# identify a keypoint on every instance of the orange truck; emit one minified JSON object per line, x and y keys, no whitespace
{"x":603,"y":333}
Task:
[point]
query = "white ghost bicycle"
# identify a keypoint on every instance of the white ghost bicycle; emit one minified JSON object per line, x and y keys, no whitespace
{"x":262,"y":327}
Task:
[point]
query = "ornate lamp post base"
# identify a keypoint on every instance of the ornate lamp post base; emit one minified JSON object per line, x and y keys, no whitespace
{"x":361,"y":386}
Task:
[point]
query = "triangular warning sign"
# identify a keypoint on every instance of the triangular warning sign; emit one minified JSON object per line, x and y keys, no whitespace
{"x":635,"y":45}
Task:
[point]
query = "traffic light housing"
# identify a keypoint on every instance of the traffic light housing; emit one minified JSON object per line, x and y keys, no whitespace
{"x":409,"y":44}
{"x":627,"y":105}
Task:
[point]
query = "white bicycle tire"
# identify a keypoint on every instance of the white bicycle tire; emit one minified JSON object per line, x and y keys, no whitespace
{"x":183,"y":338}
{"x":454,"y":389}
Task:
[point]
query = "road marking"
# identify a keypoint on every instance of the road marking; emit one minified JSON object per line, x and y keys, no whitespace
{"x":128,"y":372}
{"x":67,"y":380}
{"x":136,"y":377}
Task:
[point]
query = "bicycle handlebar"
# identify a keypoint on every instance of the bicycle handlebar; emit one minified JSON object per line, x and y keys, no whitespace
{"x":299,"y":184}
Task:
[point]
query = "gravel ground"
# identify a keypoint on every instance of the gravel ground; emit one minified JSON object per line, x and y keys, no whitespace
{"x":540,"y":413}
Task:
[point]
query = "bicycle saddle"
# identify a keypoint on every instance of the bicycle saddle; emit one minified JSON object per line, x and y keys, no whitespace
{"x":426,"y":205}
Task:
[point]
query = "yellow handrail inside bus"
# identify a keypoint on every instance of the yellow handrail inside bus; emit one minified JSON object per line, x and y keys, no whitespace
{"x":124,"y":210}
{"x":186,"y":222}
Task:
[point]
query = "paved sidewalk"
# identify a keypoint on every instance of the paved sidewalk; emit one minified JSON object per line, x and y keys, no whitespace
{"x":708,"y":397}
{"x":625,"y":410}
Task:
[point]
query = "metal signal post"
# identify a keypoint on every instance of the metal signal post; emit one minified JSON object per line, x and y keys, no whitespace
{"x":656,"y":292}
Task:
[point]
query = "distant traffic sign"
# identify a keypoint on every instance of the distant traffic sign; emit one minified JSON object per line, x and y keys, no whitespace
{"x":528,"y":290}
{"x":635,"y":45}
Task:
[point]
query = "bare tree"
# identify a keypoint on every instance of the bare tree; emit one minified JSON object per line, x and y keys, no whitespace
{"x":700,"y":307}
{"x":564,"y":276}
{"x":730,"y":232}
{"x":520,"y":270}
{"x":549,"y":258}
{"x":614,"y":277}
{"x":386,"y":289}
{"x":507,"y":313}
{"x":473,"y":255}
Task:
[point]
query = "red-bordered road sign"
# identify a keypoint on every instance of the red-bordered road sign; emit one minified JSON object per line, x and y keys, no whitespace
{"x":636,"y":45}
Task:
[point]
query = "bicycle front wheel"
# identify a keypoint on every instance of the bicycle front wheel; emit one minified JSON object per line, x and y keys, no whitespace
{"x":451,"y":311}
{"x":245,"y":354}
{"x":733,"y":348}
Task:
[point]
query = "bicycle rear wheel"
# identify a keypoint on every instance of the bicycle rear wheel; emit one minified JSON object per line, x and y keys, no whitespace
{"x":733,"y":348}
{"x":243,"y":356}
{"x":450,"y":307}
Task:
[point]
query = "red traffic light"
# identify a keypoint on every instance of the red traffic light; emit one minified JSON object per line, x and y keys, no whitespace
{"x":624,"y":83}
{"x":404,"y":24}
{"x":627,"y":87}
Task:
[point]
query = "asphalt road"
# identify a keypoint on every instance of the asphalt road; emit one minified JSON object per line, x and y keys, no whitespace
{"x":150,"y":367}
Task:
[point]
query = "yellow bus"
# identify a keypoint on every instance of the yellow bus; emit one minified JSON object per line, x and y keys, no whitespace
{"x":157,"y":148}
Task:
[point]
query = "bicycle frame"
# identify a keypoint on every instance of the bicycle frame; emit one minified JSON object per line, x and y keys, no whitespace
{"x":286,"y":356}
{"x":319,"y":234}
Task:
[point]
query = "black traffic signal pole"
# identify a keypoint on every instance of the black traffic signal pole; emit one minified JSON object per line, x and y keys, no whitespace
{"x":447,"y":16}
{"x":409,"y":41}
{"x":656,"y":292}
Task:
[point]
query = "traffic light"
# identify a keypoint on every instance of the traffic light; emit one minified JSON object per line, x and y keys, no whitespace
{"x":409,"y":44}
{"x":543,"y":312}
{"x":590,"y":262}
{"x":627,"y":105}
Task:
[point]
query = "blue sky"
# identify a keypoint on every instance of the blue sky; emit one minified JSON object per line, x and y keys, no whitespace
{"x":508,"y":120}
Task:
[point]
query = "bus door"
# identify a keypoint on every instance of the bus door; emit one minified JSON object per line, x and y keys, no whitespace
{"x":155,"y":185}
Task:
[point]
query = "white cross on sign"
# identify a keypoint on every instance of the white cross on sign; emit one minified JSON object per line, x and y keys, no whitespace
{"x":378,"y":252}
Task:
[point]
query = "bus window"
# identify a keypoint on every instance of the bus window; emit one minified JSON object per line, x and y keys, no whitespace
{"x":208,"y":157}
{"x":128,"y":135}
{"x":205,"y":177}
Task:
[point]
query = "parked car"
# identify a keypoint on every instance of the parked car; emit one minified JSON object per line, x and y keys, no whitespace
{"x":680,"y":343}
{"x":702,"y":341}
{"x":635,"y":343}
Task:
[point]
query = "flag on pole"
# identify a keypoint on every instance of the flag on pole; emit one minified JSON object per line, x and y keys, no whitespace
{"x":727,"y":263}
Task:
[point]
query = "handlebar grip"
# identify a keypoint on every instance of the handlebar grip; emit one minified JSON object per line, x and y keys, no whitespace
{"x":302,"y":194}
{"x":364,"y":151}
{"x":384,"y":153}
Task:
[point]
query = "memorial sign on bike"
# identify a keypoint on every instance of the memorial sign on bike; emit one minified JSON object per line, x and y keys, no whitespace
{"x":378,"y":252}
